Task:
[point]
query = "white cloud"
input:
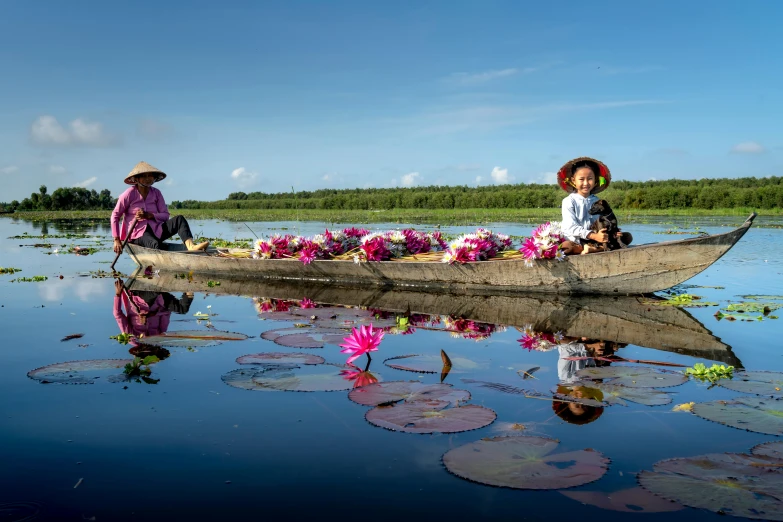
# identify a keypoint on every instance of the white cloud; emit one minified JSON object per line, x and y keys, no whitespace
{"x":327,"y":177}
{"x":500,"y":176}
{"x":545,"y":178}
{"x":57,"y":169}
{"x":243,"y":177}
{"x":85,"y":289}
{"x":10,"y":169}
{"x":748,"y":147}
{"x":479,"y":179}
{"x":410,"y":179}
{"x":46,"y":130}
{"x":87,"y":182}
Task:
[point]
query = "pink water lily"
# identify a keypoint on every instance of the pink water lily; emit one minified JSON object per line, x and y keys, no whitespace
{"x":306,"y":303}
{"x":362,"y":340}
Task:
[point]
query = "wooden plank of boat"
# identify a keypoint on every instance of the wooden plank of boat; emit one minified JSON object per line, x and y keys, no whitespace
{"x":635,"y":270}
{"x":619,"y":319}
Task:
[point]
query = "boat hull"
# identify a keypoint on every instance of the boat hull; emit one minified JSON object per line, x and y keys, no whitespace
{"x":636,"y":270}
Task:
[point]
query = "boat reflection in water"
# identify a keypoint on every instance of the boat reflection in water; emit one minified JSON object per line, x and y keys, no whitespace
{"x":587,"y":332}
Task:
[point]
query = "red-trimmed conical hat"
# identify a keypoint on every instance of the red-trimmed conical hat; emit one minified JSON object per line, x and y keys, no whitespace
{"x":567,"y":171}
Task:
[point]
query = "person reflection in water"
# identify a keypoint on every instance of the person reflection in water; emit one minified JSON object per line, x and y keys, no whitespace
{"x":149,"y":313}
{"x":585,"y":349}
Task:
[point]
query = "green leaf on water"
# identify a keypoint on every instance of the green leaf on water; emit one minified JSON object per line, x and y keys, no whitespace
{"x":768,"y":384}
{"x":745,"y":413}
{"x":633,"y":376}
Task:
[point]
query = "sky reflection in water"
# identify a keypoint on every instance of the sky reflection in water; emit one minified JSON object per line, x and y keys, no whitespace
{"x":174,"y":445}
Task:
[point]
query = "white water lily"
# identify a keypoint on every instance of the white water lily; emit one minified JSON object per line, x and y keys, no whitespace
{"x":397,"y":237}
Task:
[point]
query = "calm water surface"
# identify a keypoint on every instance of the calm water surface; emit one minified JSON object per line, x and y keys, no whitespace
{"x":192,"y":446}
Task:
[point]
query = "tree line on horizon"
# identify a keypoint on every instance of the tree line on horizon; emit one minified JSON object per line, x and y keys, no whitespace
{"x":759,"y":193}
{"x":64,"y":198}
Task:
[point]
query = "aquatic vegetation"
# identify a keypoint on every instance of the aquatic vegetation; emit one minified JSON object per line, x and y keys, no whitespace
{"x":748,"y":311}
{"x":83,"y":251}
{"x":768,"y":384}
{"x":630,"y":500}
{"x":481,"y":245}
{"x":711,"y":374}
{"x":122,"y":338}
{"x":468,"y":329}
{"x":733,"y":484}
{"x":681,"y":300}
{"x":194,"y":338}
{"x":280,"y":358}
{"x":9,"y":270}
{"x":411,"y":391}
{"x":430,"y":363}
{"x":769,"y":449}
{"x":287,"y":377}
{"x":430,"y":416}
{"x":299,"y":337}
{"x":34,"y":279}
{"x":745,"y":413}
{"x":616,"y":394}
{"x":25,"y":235}
{"x":687,"y":407}
{"x":362,"y":340}
{"x":633,"y":376}
{"x":525,"y":463}
{"x":140,"y":367}
{"x":72,"y":336}
{"x":76,"y":372}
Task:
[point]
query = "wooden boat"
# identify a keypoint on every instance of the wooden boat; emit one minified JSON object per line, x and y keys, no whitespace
{"x":636,"y":270}
{"x":622,"y":319}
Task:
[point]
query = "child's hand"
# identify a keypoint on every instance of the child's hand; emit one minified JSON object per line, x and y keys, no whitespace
{"x":601,"y":236}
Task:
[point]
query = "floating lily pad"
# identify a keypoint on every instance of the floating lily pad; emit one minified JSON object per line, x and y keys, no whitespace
{"x":194,"y":338}
{"x":633,"y":376}
{"x":727,"y":483}
{"x":395,"y":391}
{"x":280,"y":358}
{"x":76,"y":372}
{"x":770,"y":449}
{"x":430,"y":416}
{"x":763,"y":297}
{"x":429,"y":363}
{"x":312,"y":378}
{"x":525,"y":463}
{"x":305,"y":337}
{"x":745,"y":413}
{"x":614,"y":394}
{"x":631,"y":500}
{"x":768,"y":384}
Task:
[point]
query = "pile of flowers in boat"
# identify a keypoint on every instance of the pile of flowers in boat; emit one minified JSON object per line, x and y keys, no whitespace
{"x":362,"y":245}
{"x":539,"y":341}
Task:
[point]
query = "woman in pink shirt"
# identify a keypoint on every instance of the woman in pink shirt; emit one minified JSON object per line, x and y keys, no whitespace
{"x":145,"y":203}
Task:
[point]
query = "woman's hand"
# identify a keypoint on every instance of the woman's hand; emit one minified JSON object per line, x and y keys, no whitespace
{"x":140,"y":214}
{"x":117,"y":287}
{"x":117,"y":246}
{"x":601,"y":236}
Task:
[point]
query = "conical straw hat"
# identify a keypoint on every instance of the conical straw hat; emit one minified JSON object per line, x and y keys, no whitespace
{"x":143,"y":167}
{"x":604,"y":177}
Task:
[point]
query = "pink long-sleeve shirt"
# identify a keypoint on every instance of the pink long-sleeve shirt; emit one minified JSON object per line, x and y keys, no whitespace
{"x":127,"y":205}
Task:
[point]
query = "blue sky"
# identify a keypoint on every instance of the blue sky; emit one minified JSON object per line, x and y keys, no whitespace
{"x":265,"y":96}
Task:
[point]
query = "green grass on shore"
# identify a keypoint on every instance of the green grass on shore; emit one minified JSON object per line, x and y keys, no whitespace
{"x":434,"y":216}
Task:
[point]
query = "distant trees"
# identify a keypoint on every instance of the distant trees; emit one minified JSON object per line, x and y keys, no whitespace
{"x":66,"y":198}
{"x":760,"y":193}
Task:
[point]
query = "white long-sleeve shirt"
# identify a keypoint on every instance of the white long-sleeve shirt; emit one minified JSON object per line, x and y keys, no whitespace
{"x":576,"y":216}
{"x":566,"y":370}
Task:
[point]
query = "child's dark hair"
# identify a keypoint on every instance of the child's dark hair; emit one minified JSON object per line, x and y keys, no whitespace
{"x":587,"y":165}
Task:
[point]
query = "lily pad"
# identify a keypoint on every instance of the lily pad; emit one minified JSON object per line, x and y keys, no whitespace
{"x":76,"y":372}
{"x":631,"y":500}
{"x":768,"y":384}
{"x":395,"y":391}
{"x":312,"y":378}
{"x":745,"y":413}
{"x":633,"y":376}
{"x":727,"y":483}
{"x":770,"y":449}
{"x":525,"y":463}
{"x":615,"y":394}
{"x":280,"y":358}
{"x":429,"y":363}
{"x":430,"y":416}
{"x":305,"y":337}
{"x":196,"y":338}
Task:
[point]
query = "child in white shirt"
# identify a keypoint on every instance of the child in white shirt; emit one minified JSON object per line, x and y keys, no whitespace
{"x":583,"y":178}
